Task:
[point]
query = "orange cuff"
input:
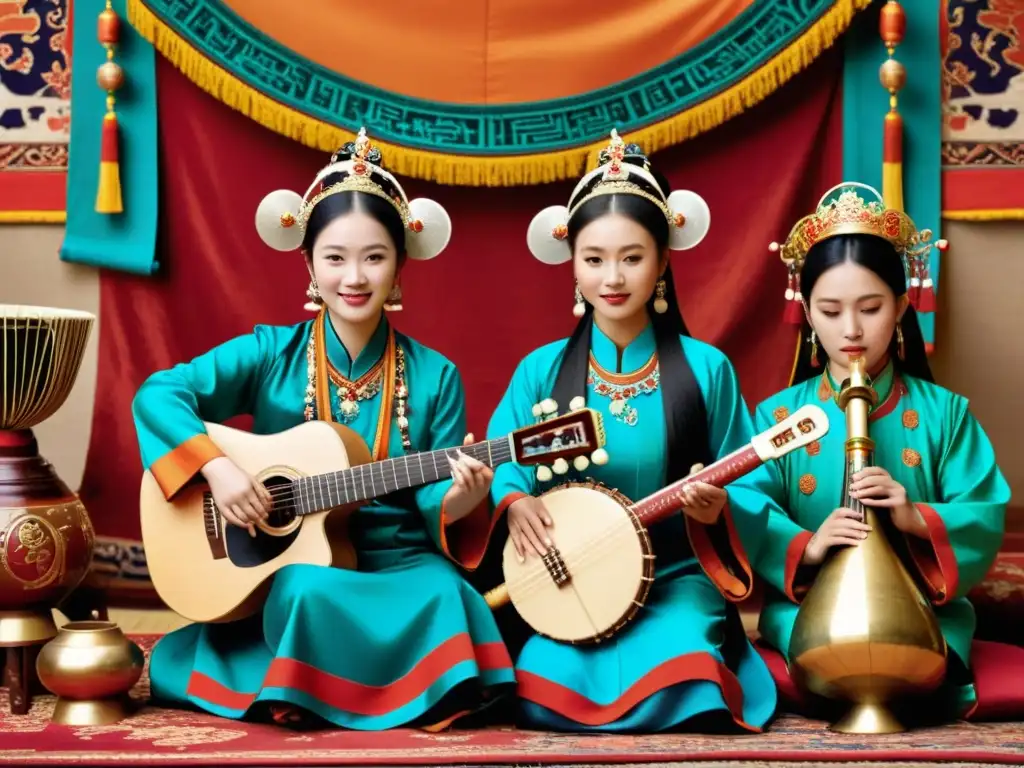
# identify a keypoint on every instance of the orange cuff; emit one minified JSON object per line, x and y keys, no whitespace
{"x":794,"y":554}
{"x":465,"y":541}
{"x":724,"y":561}
{"x":934,"y":557}
{"x":179,"y":465}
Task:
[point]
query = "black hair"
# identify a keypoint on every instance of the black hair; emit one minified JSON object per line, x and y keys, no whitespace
{"x":683,"y":402}
{"x":341,"y":203}
{"x":881,"y":257}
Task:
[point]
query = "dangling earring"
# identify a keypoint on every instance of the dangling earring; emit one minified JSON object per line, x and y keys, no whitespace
{"x":814,"y":349}
{"x":313,"y":294}
{"x":579,"y":309}
{"x":393,"y":303}
{"x":899,"y":341}
{"x":660,"y":305}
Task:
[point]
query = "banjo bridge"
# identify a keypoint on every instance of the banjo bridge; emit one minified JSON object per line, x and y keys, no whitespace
{"x":556,"y":567}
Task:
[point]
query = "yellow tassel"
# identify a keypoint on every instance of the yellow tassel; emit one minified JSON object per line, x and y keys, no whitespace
{"x":108,"y":195}
{"x":520,"y":170}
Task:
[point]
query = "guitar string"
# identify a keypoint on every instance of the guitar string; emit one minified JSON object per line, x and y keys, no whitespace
{"x":499,"y":453}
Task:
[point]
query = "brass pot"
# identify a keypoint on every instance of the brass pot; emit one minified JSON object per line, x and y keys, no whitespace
{"x":90,"y":666}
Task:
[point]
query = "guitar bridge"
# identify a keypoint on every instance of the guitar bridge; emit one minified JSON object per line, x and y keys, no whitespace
{"x":556,"y":567}
{"x":212,"y":521}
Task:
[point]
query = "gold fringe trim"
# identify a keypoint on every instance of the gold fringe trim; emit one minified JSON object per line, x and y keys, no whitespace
{"x":519,"y":170}
{"x":1004,"y":214}
{"x":33,"y":217}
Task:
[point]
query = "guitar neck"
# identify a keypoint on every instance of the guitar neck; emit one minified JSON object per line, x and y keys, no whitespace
{"x":666,"y":502}
{"x":317,"y":493}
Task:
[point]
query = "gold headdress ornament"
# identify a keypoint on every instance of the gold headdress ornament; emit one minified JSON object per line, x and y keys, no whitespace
{"x":688,"y":215}
{"x":282,"y":216}
{"x":843,"y":210}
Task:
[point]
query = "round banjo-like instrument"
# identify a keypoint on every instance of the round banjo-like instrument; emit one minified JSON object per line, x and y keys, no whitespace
{"x":600,"y":570}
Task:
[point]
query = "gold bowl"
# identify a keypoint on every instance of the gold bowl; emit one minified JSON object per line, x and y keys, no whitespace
{"x":90,"y":666}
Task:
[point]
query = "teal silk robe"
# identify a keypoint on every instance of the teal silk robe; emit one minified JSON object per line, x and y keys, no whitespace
{"x":927,"y":439}
{"x":685,"y":654}
{"x":404,"y":639}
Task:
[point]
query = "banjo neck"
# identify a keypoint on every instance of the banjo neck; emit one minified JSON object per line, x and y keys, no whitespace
{"x":666,"y":502}
{"x":803,"y":427}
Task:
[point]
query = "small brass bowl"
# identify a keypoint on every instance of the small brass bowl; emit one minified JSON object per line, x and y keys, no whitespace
{"x":90,"y":666}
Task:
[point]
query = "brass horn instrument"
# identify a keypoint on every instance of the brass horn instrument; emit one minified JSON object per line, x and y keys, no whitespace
{"x":864,"y":633}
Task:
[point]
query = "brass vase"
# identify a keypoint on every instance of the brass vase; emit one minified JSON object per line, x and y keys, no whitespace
{"x":864,"y":633}
{"x":90,"y":666}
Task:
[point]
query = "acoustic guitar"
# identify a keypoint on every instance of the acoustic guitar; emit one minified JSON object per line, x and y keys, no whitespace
{"x":318,"y":473}
{"x":599,"y":573}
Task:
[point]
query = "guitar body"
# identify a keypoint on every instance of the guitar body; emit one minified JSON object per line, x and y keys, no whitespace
{"x":208,"y":570}
{"x":606,"y":552}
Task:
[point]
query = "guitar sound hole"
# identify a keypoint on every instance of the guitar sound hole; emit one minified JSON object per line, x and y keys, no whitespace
{"x":247,"y":551}
{"x":285,"y":499}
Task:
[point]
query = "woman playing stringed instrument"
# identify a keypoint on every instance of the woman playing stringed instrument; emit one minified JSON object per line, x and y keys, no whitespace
{"x":404,"y":640}
{"x":935,"y":473}
{"x":671,"y":402}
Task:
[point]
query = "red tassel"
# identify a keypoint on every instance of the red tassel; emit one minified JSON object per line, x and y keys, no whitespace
{"x":926,"y":302}
{"x":794,"y":313}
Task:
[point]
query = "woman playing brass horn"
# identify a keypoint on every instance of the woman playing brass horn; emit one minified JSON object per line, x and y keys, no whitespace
{"x":935,"y":471}
{"x":670,"y":402}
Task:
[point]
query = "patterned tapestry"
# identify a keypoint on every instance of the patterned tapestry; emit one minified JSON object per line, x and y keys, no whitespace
{"x":518,"y":93}
{"x":35,"y":114}
{"x":983,"y":122}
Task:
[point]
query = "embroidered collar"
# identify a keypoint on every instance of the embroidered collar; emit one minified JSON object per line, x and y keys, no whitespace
{"x":634,"y":357}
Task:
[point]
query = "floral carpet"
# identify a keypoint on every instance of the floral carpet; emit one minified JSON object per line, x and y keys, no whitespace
{"x":154,"y":736}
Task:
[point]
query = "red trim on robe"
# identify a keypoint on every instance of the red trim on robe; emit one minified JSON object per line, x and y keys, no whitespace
{"x":889,"y":405}
{"x":934,"y":558}
{"x":734,"y":588}
{"x":682,"y":669}
{"x":794,"y":554}
{"x":179,"y":465}
{"x":465,"y":541}
{"x":348,"y":695}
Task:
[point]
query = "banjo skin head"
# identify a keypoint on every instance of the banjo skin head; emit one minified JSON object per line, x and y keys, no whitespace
{"x":607,"y":555}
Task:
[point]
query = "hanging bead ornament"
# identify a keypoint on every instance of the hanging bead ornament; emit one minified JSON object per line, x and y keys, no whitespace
{"x":620,"y":389}
{"x":402,"y":398}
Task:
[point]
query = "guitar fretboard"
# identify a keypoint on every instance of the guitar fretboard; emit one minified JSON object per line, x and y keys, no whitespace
{"x":369,"y":481}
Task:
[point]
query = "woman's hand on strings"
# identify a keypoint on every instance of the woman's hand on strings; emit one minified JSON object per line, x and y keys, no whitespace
{"x":242,"y":499}
{"x":471,"y":482}
{"x":701,"y":501}
{"x":842,"y":528}
{"x":528,"y":524}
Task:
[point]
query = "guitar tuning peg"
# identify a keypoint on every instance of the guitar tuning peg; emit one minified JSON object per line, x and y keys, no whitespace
{"x":543,"y":474}
{"x":599,"y":457}
{"x":581,"y":463}
{"x":548,"y":406}
{"x":560,"y":467}
{"x":577,"y":403}
{"x":537,"y":411}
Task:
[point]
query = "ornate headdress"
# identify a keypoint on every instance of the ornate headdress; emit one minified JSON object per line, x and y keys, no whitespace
{"x":688,"y":215}
{"x":282,"y":216}
{"x":843,"y":210}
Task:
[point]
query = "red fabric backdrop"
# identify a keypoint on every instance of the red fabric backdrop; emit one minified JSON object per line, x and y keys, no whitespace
{"x":485,"y":302}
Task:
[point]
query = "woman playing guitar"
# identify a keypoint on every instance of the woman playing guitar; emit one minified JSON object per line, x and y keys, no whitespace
{"x":670,"y":402}
{"x":404,"y":639}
